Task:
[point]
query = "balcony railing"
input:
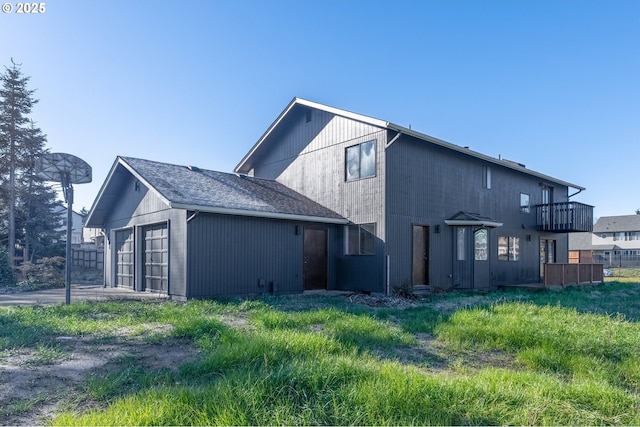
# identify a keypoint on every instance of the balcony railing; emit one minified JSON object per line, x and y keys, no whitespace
{"x":566,"y":217}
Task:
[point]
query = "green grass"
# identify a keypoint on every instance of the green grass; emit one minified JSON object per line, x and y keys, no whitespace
{"x":562,"y":357}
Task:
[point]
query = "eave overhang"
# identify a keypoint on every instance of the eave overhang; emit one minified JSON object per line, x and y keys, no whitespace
{"x":462,"y":219}
{"x":245,"y":164}
{"x":260,"y":214}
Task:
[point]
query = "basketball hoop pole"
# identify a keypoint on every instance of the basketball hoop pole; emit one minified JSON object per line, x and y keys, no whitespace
{"x":66,"y":169}
{"x":67,"y":189}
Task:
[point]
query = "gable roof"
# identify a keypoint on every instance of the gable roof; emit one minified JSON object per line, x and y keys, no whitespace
{"x":613,"y":224}
{"x":473,"y":219}
{"x":191,"y":188}
{"x":245,"y":164}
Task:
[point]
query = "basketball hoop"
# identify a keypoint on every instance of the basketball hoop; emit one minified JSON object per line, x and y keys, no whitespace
{"x":66,"y":169}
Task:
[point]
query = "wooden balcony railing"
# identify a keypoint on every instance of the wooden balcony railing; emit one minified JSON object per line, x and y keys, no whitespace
{"x":565,"y":217}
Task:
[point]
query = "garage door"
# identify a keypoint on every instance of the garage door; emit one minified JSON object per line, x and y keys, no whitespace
{"x":156,"y":258}
{"x":124,"y":258}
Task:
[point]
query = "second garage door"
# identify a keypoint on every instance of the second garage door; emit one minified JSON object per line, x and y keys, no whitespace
{"x":156,"y":257}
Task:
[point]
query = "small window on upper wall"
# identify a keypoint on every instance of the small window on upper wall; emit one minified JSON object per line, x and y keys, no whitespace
{"x":525,"y":207}
{"x":360,"y":161}
{"x":486,"y":177}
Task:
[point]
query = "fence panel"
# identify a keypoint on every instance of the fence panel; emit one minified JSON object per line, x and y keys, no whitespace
{"x":88,"y":258}
{"x":565,"y":274}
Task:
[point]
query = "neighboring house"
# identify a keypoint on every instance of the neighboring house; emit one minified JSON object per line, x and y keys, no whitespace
{"x":393,"y":207}
{"x":77,"y":222}
{"x":614,"y":242}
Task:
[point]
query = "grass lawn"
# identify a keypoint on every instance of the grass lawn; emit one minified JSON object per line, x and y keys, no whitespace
{"x":559,"y":357}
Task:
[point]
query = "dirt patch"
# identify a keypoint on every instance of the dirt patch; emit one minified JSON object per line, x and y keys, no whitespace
{"x":382,"y":301}
{"x":32,"y":390}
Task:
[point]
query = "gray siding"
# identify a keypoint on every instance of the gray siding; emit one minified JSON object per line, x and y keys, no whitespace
{"x":427,"y":184}
{"x":236,"y":255}
{"x":135,"y":209}
{"x":309,"y":157}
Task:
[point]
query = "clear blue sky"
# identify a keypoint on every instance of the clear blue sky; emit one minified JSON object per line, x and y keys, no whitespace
{"x":552,"y":84}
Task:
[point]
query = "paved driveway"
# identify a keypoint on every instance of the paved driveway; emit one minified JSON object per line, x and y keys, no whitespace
{"x":78,"y":293}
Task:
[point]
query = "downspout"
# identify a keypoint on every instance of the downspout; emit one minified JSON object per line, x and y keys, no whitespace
{"x":394,"y":139}
{"x":104,"y":258}
{"x":574,"y":194}
{"x":388,"y":257}
{"x":195,"y":214}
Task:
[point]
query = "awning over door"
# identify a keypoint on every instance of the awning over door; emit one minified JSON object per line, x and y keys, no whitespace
{"x":462,"y":219}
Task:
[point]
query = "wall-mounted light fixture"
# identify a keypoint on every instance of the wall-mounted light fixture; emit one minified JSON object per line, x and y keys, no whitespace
{"x":136,"y":186}
{"x":437,"y":229}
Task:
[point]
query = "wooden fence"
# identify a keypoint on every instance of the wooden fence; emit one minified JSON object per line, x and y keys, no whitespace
{"x":88,"y":258}
{"x":566,"y":274}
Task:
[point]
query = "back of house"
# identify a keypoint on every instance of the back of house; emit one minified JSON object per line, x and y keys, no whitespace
{"x":423,"y":213}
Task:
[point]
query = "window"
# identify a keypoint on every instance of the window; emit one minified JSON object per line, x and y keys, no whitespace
{"x":360,"y":161}
{"x":508,"y":248}
{"x":361,"y":239}
{"x":630,"y":235}
{"x":618,"y":236}
{"x":461,"y":246}
{"x":525,"y":207}
{"x":486,"y":177}
{"x":480,"y":244}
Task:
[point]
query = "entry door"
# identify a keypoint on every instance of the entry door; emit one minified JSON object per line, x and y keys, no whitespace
{"x":156,"y":258}
{"x":124,"y":258}
{"x":420,"y":270}
{"x":315,"y":258}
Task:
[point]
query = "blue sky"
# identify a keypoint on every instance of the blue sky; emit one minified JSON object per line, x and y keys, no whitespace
{"x":551,"y":84}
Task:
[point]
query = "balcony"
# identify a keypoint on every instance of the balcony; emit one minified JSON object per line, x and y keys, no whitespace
{"x":566,"y":217}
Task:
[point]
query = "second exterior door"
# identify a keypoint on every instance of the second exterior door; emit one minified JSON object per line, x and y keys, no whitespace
{"x":315,"y":258}
{"x":420,"y":267}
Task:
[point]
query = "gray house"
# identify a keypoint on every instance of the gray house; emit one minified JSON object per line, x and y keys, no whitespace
{"x":443,"y":216}
{"x":330,"y":199}
{"x":194,"y":233}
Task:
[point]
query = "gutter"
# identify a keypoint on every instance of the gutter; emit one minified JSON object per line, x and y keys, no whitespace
{"x":261,"y":214}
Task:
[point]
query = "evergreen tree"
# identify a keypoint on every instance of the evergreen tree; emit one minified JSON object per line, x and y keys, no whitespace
{"x":26,"y":202}
{"x":6,"y":272}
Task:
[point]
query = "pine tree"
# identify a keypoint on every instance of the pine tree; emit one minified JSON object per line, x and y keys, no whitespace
{"x":27,"y":202}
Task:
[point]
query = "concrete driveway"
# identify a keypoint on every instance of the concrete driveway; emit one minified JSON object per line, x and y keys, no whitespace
{"x":78,"y":293}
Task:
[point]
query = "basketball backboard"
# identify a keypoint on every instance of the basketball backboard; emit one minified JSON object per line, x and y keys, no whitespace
{"x":60,"y":167}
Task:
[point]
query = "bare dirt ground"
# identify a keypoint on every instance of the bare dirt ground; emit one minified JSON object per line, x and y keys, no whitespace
{"x":32,"y":388}
{"x":31,"y":391}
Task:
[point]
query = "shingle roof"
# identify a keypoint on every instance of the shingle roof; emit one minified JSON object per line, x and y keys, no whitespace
{"x":613,"y":224}
{"x":192,"y":188}
{"x":469,"y":218}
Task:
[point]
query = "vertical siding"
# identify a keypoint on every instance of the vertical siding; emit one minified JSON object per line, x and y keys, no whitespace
{"x":427,"y":184}
{"x":309,"y":157}
{"x":235,"y":255}
{"x":137,"y":208}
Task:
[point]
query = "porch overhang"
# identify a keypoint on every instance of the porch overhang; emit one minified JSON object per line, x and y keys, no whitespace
{"x":462,"y":219}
